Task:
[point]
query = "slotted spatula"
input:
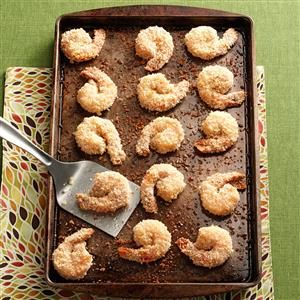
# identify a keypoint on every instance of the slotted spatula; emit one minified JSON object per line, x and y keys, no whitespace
{"x":71,"y":178}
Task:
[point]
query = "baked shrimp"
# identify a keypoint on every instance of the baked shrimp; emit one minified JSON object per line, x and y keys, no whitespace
{"x":212,"y":248}
{"x":78,"y":46}
{"x":110,"y":192}
{"x":213,"y":83}
{"x":71,"y":259}
{"x":152,"y":237}
{"x":157,"y":93}
{"x":166,"y":180}
{"x":203,"y":42}
{"x":95,"y":135}
{"x":163,"y":135}
{"x":221,"y":132}
{"x":99,"y":93}
{"x":156,"y":45}
{"x":219,"y":192}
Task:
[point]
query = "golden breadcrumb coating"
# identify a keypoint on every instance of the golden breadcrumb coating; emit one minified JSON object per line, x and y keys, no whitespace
{"x":167,"y":181}
{"x":156,"y":93}
{"x":203,"y":42}
{"x":163,"y":135}
{"x":110,"y":192}
{"x":99,"y":93}
{"x":152,"y":237}
{"x":219,"y":192}
{"x":95,"y":135}
{"x":71,"y":259}
{"x":156,"y":45}
{"x":78,"y":46}
{"x":213,"y":83}
{"x":211,"y":249}
{"x":221,"y":131}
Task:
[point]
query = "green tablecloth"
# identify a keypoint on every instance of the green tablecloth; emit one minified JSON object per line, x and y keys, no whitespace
{"x":27,"y":29}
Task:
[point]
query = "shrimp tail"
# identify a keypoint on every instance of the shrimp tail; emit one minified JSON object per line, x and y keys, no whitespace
{"x":125,"y":252}
{"x":80,"y":236}
{"x":99,"y":38}
{"x":154,"y":64}
{"x":236,"y":97}
{"x":198,"y":257}
{"x":92,"y":73}
{"x":140,"y":255}
{"x":189,"y":249}
{"x":147,"y":193}
{"x":183,"y":243}
{"x":214,"y":145}
{"x":143,"y":145}
{"x":233,"y":99}
{"x":230,"y":37}
{"x":238,"y":180}
{"x":220,"y":101}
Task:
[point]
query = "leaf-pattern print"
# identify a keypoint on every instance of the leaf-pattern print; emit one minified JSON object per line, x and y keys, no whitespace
{"x":23,"y":195}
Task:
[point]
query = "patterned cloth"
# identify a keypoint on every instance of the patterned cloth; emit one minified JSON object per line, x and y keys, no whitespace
{"x":23,"y":195}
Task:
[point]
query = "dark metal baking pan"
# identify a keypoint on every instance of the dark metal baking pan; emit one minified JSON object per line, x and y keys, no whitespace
{"x":174,"y":275}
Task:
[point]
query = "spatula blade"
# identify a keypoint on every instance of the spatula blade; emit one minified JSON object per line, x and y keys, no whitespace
{"x":109,"y":223}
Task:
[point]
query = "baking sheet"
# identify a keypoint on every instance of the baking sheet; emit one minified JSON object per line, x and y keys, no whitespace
{"x":185,"y":215}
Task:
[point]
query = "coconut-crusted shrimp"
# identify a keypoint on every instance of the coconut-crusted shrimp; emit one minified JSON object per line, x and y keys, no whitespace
{"x":221,"y":130}
{"x":71,"y":259}
{"x":78,"y":46}
{"x":157,"y":93}
{"x":212,"y":248}
{"x":154,"y":240}
{"x":219,"y":192}
{"x":213,"y":83}
{"x":167,"y":181}
{"x":163,"y":135}
{"x":203,"y":42}
{"x":110,"y":192}
{"x":155,"y":44}
{"x":95,"y":135}
{"x":99,"y":93}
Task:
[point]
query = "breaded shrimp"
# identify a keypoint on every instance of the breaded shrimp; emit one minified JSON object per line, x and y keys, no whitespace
{"x":110,"y":192}
{"x":155,"y":44}
{"x":221,"y":130}
{"x":211,"y":249}
{"x":78,"y":46}
{"x":71,"y":259}
{"x":167,"y":180}
{"x":219,"y":192}
{"x":99,"y":93}
{"x":163,"y":135}
{"x":156,"y":93}
{"x":213,"y":83}
{"x":203,"y":42}
{"x":95,"y":135}
{"x":154,"y":240}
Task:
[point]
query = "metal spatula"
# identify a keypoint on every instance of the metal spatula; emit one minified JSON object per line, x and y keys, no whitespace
{"x":71,"y":178}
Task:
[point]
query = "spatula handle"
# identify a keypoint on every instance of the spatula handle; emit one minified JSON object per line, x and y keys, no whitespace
{"x":12,"y":135}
